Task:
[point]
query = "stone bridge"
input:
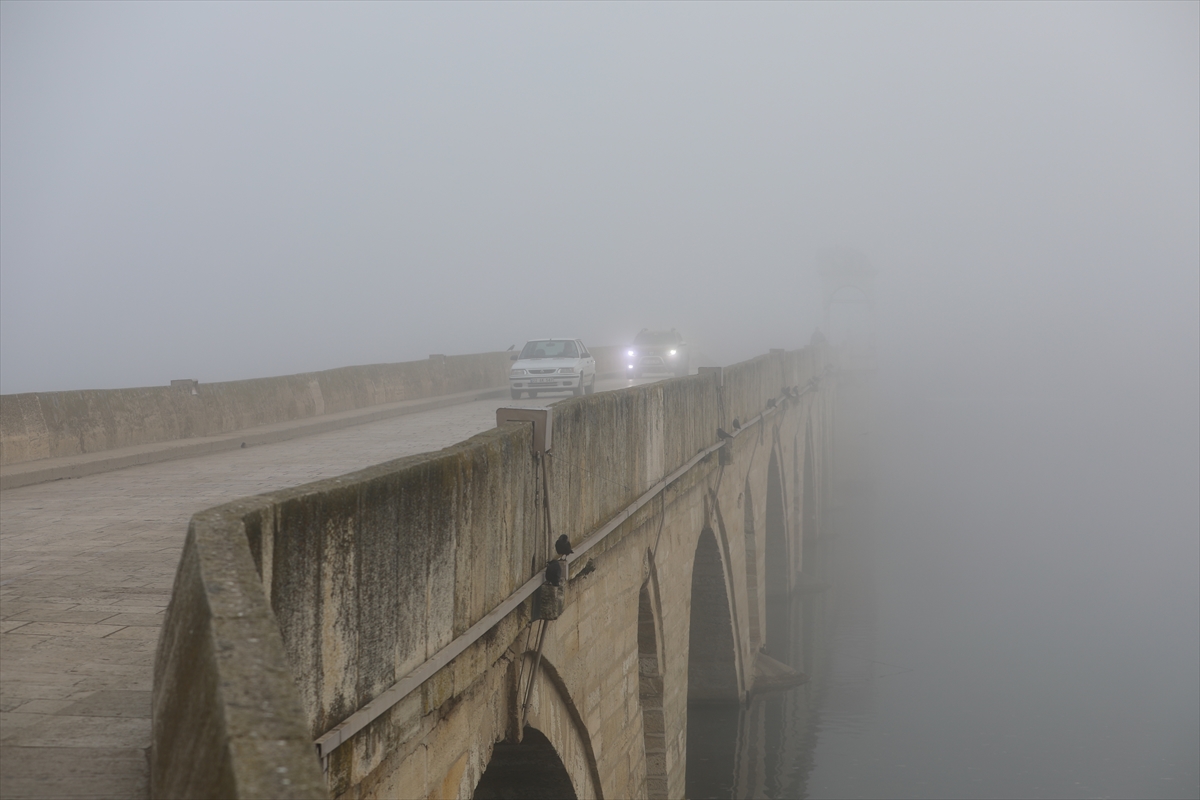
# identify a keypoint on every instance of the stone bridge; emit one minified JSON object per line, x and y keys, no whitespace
{"x":395,"y":618}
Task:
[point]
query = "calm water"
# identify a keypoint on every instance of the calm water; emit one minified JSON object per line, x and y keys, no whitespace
{"x":1013,"y":612}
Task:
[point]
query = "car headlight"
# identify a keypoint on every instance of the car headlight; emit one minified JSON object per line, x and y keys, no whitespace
{"x":566,"y":371}
{"x":632,"y":353}
{"x":516,"y":373}
{"x":672,"y":352}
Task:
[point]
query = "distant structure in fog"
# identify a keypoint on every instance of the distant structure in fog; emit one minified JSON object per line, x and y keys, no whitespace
{"x":843,"y":268}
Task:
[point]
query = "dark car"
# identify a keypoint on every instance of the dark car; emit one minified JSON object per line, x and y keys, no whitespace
{"x":657,"y":352}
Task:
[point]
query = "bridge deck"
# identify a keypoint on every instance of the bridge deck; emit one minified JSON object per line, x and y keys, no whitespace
{"x":86,"y":574}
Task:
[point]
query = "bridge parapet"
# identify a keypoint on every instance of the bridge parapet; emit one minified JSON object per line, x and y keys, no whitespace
{"x":372,"y":574}
{"x":40,"y":425}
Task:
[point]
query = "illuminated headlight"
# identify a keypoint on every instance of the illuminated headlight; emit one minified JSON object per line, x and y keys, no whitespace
{"x":672,"y":352}
{"x":631,"y":353}
{"x":516,"y":373}
{"x":566,"y":371}
{"x":631,"y":366}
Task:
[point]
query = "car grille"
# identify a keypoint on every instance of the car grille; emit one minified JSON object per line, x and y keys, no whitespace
{"x":542,"y":371}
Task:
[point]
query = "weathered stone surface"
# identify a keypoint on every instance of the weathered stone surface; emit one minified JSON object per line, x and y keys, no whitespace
{"x":110,"y":704}
{"x":55,"y":424}
{"x":109,"y":544}
{"x":363,"y":577}
{"x":70,"y":772}
{"x":548,"y":602}
{"x":774,"y":676}
{"x":227,"y":721}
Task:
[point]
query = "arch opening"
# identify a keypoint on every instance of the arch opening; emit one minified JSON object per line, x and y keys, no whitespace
{"x":778,"y":621}
{"x":752,"y":588}
{"x":650,"y":692}
{"x":796,"y":512}
{"x":712,"y":670}
{"x":713,"y":710}
{"x":531,"y":769}
{"x":808,"y":513}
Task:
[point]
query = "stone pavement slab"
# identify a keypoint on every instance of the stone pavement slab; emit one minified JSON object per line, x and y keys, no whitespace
{"x":70,"y":772}
{"x":86,"y":570}
{"x":110,"y":703}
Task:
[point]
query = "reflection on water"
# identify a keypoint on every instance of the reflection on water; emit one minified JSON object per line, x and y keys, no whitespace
{"x":766,"y":749}
{"x":710,"y":769}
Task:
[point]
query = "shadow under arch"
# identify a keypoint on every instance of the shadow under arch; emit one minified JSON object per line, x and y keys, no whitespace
{"x":808,"y":510}
{"x":712,"y":649}
{"x":531,"y":769}
{"x":778,"y":564}
{"x":553,"y":715}
{"x":650,"y":684}
{"x":752,"y":589}
{"x":714,"y":695}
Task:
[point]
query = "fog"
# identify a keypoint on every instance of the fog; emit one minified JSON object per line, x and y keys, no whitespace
{"x":225,"y":191}
{"x":230,"y":191}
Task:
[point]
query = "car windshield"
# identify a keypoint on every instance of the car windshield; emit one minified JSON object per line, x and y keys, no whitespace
{"x":656,"y":337}
{"x":550,"y":348}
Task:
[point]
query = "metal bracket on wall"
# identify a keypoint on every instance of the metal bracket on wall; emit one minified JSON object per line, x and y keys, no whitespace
{"x":542,"y":419}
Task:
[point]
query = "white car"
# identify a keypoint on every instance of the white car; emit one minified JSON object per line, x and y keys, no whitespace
{"x":552,"y":365}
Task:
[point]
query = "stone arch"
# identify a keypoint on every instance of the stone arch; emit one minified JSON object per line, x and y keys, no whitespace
{"x":554,"y":714}
{"x":752,"y":569}
{"x":528,"y":769}
{"x":777,"y":563}
{"x":650,"y":691}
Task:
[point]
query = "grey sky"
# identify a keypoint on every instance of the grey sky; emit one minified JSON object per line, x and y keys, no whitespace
{"x":223,"y":191}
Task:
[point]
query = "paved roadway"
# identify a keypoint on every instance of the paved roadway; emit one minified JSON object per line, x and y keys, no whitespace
{"x":86,"y":567}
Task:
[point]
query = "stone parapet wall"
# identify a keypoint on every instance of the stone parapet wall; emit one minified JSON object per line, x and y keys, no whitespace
{"x":227,"y":719}
{"x":56,"y":424}
{"x":365,"y":576}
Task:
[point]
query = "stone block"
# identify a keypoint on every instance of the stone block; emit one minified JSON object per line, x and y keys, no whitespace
{"x":61,"y":772}
{"x":271,"y":769}
{"x":437,"y":690}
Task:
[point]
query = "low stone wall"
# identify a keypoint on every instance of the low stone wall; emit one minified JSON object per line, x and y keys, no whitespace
{"x":55,"y":424}
{"x":363,"y":577}
{"x":227,"y":720}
